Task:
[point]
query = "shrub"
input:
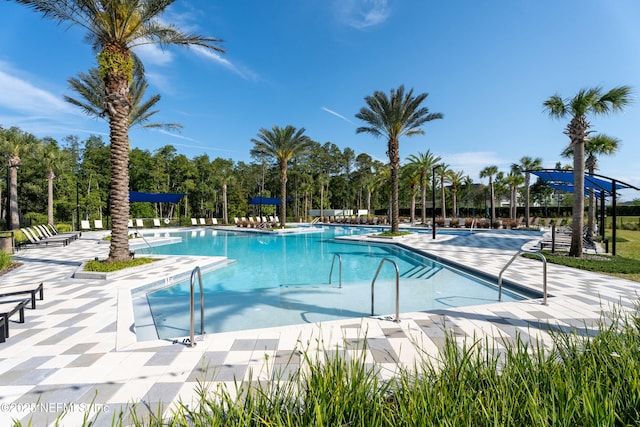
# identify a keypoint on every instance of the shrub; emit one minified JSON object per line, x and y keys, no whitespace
{"x":5,"y":260}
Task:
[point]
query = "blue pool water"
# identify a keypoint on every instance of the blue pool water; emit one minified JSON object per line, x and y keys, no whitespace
{"x":284,"y":279}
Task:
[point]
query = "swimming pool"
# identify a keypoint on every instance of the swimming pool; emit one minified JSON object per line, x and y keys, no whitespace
{"x":284,"y":279}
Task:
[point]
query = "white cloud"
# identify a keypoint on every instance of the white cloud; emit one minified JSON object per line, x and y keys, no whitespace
{"x":337,"y":115}
{"x":362,"y":14}
{"x":22,"y":97}
{"x":219,"y":59}
{"x":153,"y":54}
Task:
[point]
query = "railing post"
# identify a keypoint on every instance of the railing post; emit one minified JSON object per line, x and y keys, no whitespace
{"x":397,"y":319}
{"x":192,"y":341}
{"x":544,"y":274}
{"x":340,"y":268}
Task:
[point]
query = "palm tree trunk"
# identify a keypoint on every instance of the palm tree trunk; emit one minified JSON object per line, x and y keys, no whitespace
{"x":283,"y":194}
{"x":527,"y":181}
{"x":578,"y":132}
{"x":493,"y":203}
{"x":394,"y":158}
{"x":423,"y":185}
{"x":225,"y":215}
{"x":14,"y":218}
{"x":591,"y":211}
{"x":444,"y":203}
{"x":50,"y":176}
{"x":413,"y":206}
{"x":117,"y":95}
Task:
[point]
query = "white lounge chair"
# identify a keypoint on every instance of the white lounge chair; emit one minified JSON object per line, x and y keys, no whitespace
{"x":85,"y":224}
{"x":98,"y":224}
{"x":139,"y":223}
{"x":156,"y":222}
{"x":214,"y":221}
{"x":194,"y":221}
{"x":202,"y":221}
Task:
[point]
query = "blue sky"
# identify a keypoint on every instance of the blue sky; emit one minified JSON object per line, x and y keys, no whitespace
{"x":487,"y":66}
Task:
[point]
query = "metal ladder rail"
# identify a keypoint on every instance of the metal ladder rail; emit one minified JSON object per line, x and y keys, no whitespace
{"x":340,"y":268}
{"x":544,"y":274}
{"x":151,"y":248}
{"x":397,"y":319}
{"x":192,"y":341}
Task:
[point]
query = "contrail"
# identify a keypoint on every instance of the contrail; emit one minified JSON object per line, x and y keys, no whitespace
{"x":337,"y":115}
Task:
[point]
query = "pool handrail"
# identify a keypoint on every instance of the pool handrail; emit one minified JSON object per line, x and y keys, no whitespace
{"x":544,"y":273}
{"x":340,"y":268}
{"x":192,"y":341}
{"x":397,"y":319}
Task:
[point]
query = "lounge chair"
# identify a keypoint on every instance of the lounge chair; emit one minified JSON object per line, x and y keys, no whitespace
{"x":130,"y":223}
{"x":194,"y":221}
{"x":73,"y":234}
{"x":85,"y":225}
{"x":214,"y":221}
{"x":202,"y":221}
{"x":21,"y":289}
{"x":8,"y":309}
{"x":139,"y":223}
{"x":43,"y":233}
{"x":156,"y":222}
{"x":97,"y":224}
{"x":34,"y":239}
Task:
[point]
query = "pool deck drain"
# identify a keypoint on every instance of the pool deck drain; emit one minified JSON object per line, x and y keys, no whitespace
{"x":79,"y":345}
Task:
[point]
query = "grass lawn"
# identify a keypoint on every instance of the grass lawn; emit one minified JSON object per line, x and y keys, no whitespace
{"x":626,"y":263}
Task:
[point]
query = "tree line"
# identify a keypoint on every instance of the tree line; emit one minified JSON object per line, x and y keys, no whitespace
{"x":61,"y":181}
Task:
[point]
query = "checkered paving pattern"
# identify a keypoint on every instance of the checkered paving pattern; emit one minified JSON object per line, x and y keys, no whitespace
{"x":79,"y":345}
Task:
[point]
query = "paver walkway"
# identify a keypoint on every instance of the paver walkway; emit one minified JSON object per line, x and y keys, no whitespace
{"x":79,"y":345}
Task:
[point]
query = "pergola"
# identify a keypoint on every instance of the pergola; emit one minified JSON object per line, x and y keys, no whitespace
{"x":602,"y":186}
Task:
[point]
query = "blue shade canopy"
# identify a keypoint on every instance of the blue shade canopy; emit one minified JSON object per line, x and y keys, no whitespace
{"x":597,"y":182}
{"x":569,"y":188}
{"x":135,"y":196}
{"x":265,"y":201}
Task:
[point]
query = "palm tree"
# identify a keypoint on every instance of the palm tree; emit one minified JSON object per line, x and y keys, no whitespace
{"x":282,"y":145}
{"x":456,"y":179}
{"x":513,"y":180}
{"x":424,"y":162}
{"x":599,"y":144}
{"x":585,"y":102}
{"x":52,"y":158}
{"x":411,"y":176}
{"x":490,"y":172}
{"x":443,"y":171}
{"x":114,"y":28}
{"x":527,"y":164}
{"x":391,"y":117}
{"x":14,"y":142}
{"x":91,"y":88}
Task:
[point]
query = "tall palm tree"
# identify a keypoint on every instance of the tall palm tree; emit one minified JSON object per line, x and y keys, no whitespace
{"x":599,"y":144}
{"x":456,"y":179}
{"x":114,"y":28}
{"x":52,"y":159}
{"x":443,"y":171}
{"x":392,"y":117}
{"x":490,"y":172}
{"x":424,"y":162}
{"x":411,"y":176}
{"x":527,"y":164}
{"x":14,"y":142}
{"x":513,"y":180}
{"x":281,"y":145}
{"x":91,"y":88}
{"x":587,"y":101}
